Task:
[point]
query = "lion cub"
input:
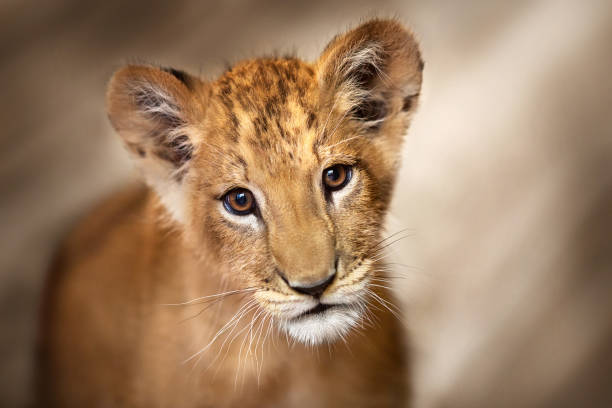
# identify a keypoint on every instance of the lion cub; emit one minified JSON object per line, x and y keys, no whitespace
{"x":248,"y":275}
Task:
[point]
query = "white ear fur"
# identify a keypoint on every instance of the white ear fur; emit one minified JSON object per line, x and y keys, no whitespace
{"x":171,"y":194}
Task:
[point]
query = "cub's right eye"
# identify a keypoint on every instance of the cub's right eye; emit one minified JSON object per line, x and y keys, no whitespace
{"x":239,"y":201}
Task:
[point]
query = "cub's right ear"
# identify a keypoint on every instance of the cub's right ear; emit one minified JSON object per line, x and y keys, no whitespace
{"x":154,"y":111}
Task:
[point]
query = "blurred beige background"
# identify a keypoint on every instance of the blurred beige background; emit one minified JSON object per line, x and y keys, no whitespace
{"x":507,"y":176}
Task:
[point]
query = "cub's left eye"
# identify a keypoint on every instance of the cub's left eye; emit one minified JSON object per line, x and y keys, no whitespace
{"x":337,"y":176}
{"x":239,"y":201}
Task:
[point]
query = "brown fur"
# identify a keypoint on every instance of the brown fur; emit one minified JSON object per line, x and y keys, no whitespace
{"x":271,"y":125}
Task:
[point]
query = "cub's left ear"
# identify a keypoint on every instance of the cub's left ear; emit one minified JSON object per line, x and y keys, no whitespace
{"x":372,"y":72}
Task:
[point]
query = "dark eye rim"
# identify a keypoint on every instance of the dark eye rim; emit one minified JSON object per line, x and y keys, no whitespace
{"x":226,"y":199}
{"x":348,"y":169}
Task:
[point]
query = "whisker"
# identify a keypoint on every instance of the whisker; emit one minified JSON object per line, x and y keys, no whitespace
{"x":373,"y":306}
{"x":388,"y":305}
{"x":258,"y":365}
{"x":380,"y":286}
{"x":340,"y":142}
{"x":327,"y":148}
{"x":241,"y":312}
{"x":240,"y":363}
{"x":255,"y":332}
{"x":386,"y":279}
{"x":391,"y":273}
{"x":200,"y":312}
{"x":379,"y":249}
{"x":211,"y":303}
{"x":393,"y":235}
{"x":268,"y":332}
{"x":327,"y":120}
{"x":228,"y":348}
{"x":406,"y":266}
{"x":229,"y":293}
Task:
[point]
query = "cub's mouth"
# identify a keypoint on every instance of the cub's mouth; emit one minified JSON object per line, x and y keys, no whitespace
{"x":324,"y":323}
{"x":319,"y":309}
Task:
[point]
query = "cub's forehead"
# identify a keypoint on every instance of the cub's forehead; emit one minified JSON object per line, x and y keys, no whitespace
{"x":278,"y":79}
{"x":267,"y":112}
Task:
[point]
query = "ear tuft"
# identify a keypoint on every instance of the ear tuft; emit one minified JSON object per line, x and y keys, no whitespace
{"x":362,"y":65}
{"x":154,"y":103}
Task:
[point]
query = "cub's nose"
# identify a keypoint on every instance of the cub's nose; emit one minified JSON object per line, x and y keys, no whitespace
{"x":315,"y":289}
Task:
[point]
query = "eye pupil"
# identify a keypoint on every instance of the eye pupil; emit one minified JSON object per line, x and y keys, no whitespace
{"x":241,"y":199}
{"x":333,"y":174}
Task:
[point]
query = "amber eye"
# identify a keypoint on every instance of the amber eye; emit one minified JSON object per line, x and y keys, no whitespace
{"x":337,"y":176}
{"x":239,"y":201}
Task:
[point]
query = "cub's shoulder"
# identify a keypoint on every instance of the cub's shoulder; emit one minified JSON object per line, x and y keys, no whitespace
{"x":117,"y":222}
{"x":123,"y":209}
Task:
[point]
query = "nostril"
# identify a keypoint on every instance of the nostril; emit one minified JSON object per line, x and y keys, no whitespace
{"x":317,"y":288}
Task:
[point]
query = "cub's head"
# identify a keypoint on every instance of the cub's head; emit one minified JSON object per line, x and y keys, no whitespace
{"x":281,"y":169}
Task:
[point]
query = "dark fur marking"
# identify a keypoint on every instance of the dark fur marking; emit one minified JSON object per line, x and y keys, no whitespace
{"x":281,"y":128}
{"x":262,"y":144}
{"x":245,"y":101}
{"x":363,"y":76}
{"x":224,"y":92}
{"x":180,"y":75}
{"x":136,"y":148}
{"x":407,"y":104}
{"x":170,"y":121}
{"x":177,"y":151}
{"x":226,"y":89}
{"x":275,"y":69}
{"x":368,"y":110}
{"x":282,"y":90}
{"x":271,"y":107}
{"x":261,"y":124}
{"x":301,"y":90}
{"x":227,"y":102}
{"x":179,"y":175}
{"x":315,"y":147}
{"x":310,"y":120}
{"x":234,"y":120}
{"x":242,"y":162}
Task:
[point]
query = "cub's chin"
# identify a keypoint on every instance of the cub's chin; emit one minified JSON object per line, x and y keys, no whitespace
{"x":322,"y":324}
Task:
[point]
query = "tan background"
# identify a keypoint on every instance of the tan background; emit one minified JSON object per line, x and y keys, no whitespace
{"x":507,"y":177}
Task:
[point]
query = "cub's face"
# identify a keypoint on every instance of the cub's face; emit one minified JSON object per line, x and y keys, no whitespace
{"x":282,"y":170}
